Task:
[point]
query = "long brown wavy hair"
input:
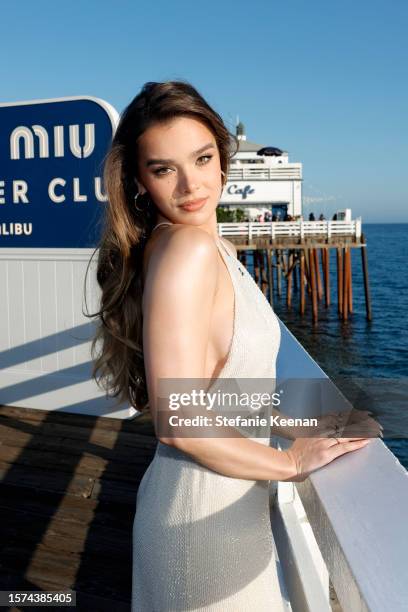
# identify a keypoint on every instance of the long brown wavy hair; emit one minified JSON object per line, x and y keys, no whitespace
{"x":118,"y":365}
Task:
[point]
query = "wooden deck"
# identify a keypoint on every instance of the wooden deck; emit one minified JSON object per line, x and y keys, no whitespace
{"x":67,"y":502}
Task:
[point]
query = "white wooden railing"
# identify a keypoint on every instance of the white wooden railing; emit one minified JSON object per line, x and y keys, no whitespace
{"x":346,"y":521}
{"x":295,"y":229}
{"x":45,"y":337}
{"x":258,"y":172}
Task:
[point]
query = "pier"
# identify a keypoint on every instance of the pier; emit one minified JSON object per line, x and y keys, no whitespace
{"x":297,"y":253}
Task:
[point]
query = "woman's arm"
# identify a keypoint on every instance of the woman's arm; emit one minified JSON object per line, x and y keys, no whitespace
{"x":178,"y":300}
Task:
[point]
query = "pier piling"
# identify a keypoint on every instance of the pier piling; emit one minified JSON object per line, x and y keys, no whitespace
{"x":279,"y":271}
{"x":326,"y":275}
{"x":269,"y":258}
{"x":313,"y":284}
{"x":318,"y":279}
{"x":365,"y":276}
{"x":339,"y":281}
{"x":345,"y":284}
{"x":289,"y":281}
{"x":303,"y":261}
{"x":302,"y":283}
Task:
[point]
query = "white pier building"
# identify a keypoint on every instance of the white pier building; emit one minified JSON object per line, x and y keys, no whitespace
{"x":262,"y":178}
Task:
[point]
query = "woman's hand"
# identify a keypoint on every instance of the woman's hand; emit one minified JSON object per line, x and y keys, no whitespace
{"x":350,"y":424}
{"x":310,"y":454}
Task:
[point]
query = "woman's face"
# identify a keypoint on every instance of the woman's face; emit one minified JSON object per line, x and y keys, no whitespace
{"x":179,"y":162}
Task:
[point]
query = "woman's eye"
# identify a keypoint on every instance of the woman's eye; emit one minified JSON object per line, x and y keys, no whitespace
{"x":205,"y":156}
{"x":159,"y":171}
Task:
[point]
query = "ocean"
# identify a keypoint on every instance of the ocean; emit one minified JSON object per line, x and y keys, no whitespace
{"x":357,"y":349}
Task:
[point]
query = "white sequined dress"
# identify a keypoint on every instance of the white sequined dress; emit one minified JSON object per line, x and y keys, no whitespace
{"x":203,"y":541}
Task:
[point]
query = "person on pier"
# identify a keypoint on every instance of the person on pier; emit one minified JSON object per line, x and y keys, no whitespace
{"x":178,"y":307}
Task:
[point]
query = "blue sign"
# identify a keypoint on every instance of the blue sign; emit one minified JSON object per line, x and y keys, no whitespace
{"x":51,"y":168}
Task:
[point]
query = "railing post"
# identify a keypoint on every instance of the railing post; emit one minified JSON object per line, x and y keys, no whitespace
{"x":302,"y":230}
{"x":250,"y":230}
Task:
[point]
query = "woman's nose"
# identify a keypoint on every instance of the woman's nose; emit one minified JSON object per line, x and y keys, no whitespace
{"x":188,"y":181}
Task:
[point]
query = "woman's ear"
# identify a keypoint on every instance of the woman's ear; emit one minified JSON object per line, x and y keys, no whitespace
{"x":140,"y":188}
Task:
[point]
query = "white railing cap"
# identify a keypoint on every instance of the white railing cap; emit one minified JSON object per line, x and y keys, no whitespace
{"x":357,"y":508}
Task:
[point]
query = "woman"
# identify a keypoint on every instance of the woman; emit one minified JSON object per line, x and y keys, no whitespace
{"x":177,"y":305}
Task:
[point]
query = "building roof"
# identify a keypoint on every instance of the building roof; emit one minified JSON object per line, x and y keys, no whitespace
{"x":247,"y":145}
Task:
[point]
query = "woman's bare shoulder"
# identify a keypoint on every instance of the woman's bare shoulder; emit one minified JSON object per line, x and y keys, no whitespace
{"x":179,"y":234}
{"x":180,"y":239}
{"x":180,"y":252}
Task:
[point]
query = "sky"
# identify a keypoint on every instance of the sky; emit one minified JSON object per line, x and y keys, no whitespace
{"x":325,"y":81}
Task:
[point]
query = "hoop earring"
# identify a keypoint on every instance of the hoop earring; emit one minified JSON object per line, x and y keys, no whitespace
{"x":136,"y":206}
{"x":222,"y":172}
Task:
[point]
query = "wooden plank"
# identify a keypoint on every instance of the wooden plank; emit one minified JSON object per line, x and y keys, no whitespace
{"x":20,"y":527}
{"x":67,"y":502}
{"x":80,"y":486}
{"x":135,"y":425}
{"x":84,"y":465}
{"x":70,"y":509}
{"x":85,"y":601}
{"x":72,"y":484}
{"x":98,"y":436}
{"x":67,"y":446}
{"x":96,"y":574}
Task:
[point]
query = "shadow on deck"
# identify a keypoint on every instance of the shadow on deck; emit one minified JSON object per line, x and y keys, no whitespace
{"x":67,"y":502}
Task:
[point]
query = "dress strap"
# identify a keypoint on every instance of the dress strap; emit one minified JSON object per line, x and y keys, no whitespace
{"x":220,"y":242}
{"x":162,"y":223}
